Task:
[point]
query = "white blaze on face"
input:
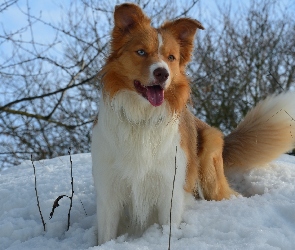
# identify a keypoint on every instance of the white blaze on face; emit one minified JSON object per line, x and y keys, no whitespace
{"x":160,"y":64}
{"x":160,"y":40}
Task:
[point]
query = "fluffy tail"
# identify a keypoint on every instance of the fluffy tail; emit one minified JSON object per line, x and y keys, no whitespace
{"x":266,"y":132}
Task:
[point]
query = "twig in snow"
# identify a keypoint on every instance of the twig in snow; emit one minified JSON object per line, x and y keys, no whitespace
{"x":83,"y":207}
{"x":55,"y":203}
{"x":38,"y":204}
{"x":72,"y":183}
{"x":172,"y":200}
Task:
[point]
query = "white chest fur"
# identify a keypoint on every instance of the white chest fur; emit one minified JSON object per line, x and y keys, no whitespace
{"x":133,"y":153}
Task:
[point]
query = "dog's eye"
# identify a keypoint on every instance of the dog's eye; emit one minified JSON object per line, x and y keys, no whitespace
{"x":141,"y":52}
{"x":171,"y":58}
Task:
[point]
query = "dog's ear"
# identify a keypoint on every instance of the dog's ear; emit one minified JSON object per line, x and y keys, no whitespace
{"x":184,"y":30}
{"x":127,"y":16}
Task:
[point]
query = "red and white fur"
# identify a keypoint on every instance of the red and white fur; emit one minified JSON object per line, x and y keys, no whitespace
{"x":144,"y":117}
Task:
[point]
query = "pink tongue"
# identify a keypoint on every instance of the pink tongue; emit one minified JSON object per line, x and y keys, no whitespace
{"x":155,"y":95}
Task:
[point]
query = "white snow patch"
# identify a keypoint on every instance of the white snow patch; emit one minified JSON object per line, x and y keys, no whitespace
{"x":264,"y":219}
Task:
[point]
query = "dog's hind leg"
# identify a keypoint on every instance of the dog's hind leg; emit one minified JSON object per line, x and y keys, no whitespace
{"x":213,"y":182}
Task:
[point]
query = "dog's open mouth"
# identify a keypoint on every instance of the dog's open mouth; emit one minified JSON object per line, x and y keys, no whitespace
{"x":154,"y":94}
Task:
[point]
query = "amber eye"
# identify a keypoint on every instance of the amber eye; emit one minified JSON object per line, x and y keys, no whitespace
{"x":171,"y":58}
{"x":141,"y":52}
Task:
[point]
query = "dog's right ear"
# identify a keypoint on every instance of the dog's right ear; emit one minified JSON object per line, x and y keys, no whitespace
{"x":127,"y":16}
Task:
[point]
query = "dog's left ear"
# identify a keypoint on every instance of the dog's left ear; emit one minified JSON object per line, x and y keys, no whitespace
{"x":184,"y":30}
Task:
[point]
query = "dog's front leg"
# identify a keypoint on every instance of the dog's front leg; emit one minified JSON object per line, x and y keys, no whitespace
{"x":176,"y":208}
{"x":108,"y":215}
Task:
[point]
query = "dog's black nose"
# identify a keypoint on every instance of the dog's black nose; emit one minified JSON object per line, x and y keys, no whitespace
{"x":161,"y":74}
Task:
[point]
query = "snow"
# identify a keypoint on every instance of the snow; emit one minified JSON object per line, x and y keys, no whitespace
{"x":264,"y":218}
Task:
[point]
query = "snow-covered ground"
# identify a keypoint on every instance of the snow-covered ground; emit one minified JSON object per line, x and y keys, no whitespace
{"x":263,"y":219}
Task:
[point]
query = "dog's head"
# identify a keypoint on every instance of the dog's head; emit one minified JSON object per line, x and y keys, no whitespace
{"x":147,"y":60}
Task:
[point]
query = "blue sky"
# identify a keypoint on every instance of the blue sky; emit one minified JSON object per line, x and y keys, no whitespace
{"x":13,"y":18}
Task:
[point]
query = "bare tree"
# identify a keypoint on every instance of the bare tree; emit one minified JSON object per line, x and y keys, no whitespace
{"x":243,"y":57}
{"x":49,"y":97}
